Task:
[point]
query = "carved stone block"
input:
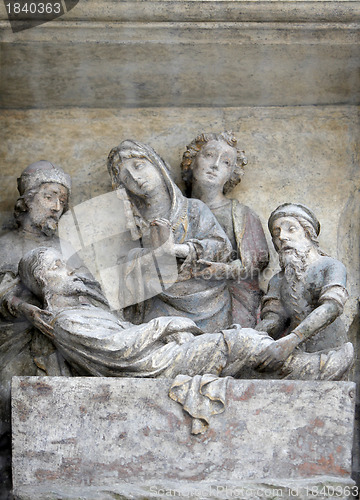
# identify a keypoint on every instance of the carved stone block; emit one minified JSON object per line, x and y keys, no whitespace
{"x":101,"y":438}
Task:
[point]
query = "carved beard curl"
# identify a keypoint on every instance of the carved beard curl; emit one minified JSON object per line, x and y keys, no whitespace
{"x":294,"y":263}
{"x":48,"y":226}
{"x":78,"y":286}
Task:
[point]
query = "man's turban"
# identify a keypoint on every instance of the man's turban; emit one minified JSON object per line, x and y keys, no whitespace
{"x":294,"y":210}
{"x":41,"y":172}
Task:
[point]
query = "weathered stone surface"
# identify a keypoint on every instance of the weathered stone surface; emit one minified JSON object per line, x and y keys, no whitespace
{"x":93,"y":436}
{"x":165,"y":53}
{"x":304,"y":154}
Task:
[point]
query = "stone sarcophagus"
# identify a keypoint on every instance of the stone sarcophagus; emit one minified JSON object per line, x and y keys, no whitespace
{"x":105,"y":438}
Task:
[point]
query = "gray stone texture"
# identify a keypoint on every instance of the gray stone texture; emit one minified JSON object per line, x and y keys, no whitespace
{"x":282,"y":75}
{"x":186,"y":53}
{"x":78,"y":438}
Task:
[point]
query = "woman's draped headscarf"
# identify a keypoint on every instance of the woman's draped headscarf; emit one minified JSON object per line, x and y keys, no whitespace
{"x":129,"y":149}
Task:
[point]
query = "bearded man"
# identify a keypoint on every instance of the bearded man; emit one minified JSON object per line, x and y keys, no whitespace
{"x":305,"y":299}
{"x":44,"y":193}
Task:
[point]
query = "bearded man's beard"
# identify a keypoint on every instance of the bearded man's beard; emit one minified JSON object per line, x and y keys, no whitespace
{"x":48,"y":226}
{"x":294,"y":263}
{"x":76,"y":286}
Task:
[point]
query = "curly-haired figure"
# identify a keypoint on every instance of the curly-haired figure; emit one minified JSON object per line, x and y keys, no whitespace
{"x":212,"y":165}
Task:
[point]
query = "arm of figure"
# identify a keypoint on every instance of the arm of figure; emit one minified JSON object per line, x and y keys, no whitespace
{"x":274,"y":316}
{"x":272,"y":323}
{"x":212,"y":270}
{"x":182,"y":250}
{"x":318,"y":319}
{"x":205,"y":235}
{"x":275,"y":354}
{"x":233,"y":270}
{"x":39,"y":318}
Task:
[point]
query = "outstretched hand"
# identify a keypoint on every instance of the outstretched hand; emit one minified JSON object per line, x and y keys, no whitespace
{"x":273,"y":357}
{"x":39,"y":318}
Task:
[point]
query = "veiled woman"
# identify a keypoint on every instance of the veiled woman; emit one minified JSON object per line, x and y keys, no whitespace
{"x":191,"y":232}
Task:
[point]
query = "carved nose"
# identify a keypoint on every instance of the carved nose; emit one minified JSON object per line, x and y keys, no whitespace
{"x":134,"y":176}
{"x":283,"y":237}
{"x":57,"y":206}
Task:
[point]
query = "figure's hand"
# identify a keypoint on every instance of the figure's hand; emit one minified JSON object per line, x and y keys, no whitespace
{"x":37,"y":317}
{"x":161,"y":232}
{"x":213,"y":270}
{"x":275,"y":354}
{"x":182,"y":250}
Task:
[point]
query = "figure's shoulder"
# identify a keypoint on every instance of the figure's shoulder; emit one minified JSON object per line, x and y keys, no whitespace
{"x":197,"y":208}
{"x":195,"y":203}
{"x":10,"y":243}
{"x":10,"y":251}
{"x":326,"y":262}
{"x":331,"y":270}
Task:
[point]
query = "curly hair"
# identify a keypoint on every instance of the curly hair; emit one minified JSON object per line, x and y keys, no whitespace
{"x":195,"y":147}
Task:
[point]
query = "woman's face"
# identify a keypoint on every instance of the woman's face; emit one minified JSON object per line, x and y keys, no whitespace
{"x":214,"y":164}
{"x":140,"y":176}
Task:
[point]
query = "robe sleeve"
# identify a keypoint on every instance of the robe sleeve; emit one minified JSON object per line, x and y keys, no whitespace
{"x":334,"y":285}
{"x":204,"y":234}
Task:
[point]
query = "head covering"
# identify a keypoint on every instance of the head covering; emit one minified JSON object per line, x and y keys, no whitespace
{"x":41,"y":172}
{"x":130,"y":147}
{"x":294,"y":210}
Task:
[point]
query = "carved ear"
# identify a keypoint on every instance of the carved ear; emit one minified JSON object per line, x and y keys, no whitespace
{"x":20,"y":207}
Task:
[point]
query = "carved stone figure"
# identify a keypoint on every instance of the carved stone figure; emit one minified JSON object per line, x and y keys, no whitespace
{"x":187,"y":225}
{"x":212,"y":165}
{"x":305,"y":299}
{"x":44,"y":191}
{"x":96,"y":342}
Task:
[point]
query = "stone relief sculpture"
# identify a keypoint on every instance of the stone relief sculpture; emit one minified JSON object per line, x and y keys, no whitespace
{"x":44,"y":191}
{"x":305,"y":300}
{"x":189,"y":226}
{"x":97,"y":342}
{"x":211,"y":166}
{"x":55,"y":320}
